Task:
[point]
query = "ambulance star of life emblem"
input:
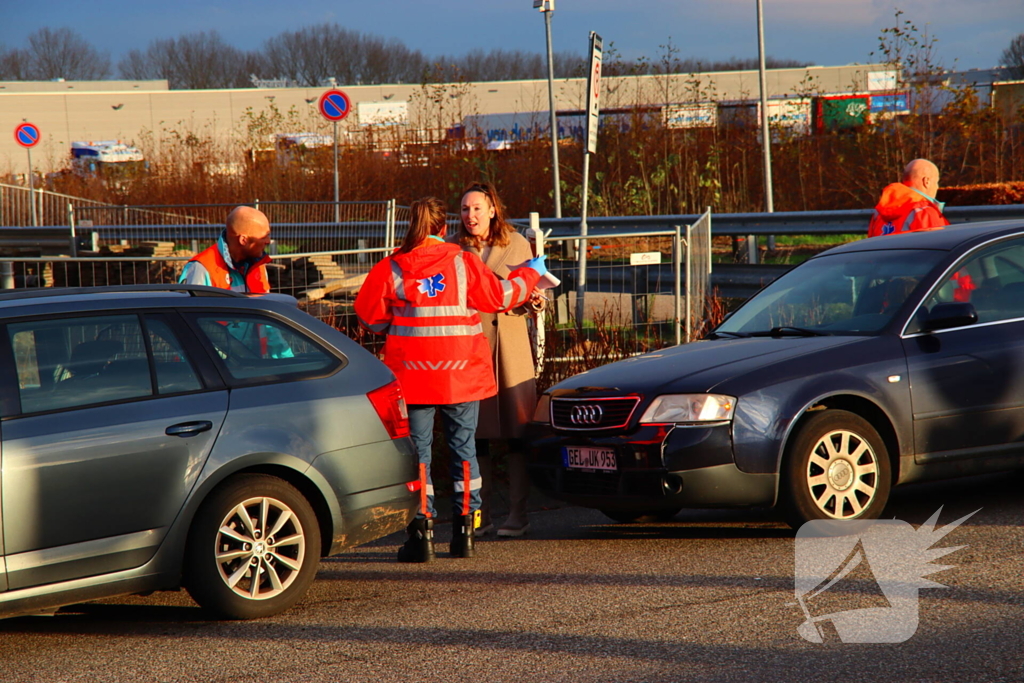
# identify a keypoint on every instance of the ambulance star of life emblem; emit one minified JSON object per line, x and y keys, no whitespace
{"x":432,"y":285}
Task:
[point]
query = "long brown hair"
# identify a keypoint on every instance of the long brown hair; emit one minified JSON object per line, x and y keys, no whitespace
{"x":500,"y":231}
{"x":427,"y":218}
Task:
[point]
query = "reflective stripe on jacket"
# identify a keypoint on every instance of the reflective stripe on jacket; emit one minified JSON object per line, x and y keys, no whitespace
{"x":426,"y":302}
{"x":902,"y":209}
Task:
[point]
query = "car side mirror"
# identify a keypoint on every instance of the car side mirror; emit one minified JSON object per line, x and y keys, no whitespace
{"x":955,"y":314}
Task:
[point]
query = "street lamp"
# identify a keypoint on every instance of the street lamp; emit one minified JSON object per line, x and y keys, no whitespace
{"x":766,"y":140}
{"x":547,"y":7}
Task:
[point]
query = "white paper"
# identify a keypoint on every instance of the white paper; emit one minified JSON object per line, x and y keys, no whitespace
{"x":547,"y":280}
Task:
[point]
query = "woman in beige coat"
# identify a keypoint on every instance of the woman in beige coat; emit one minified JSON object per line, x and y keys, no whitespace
{"x":486,"y":232}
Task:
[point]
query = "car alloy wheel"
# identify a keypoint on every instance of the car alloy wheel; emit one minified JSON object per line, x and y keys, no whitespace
{"x":837,"y":467}
{"x":841,"y":473}
{"x":259,"y":548}
{"x":253,"y":549}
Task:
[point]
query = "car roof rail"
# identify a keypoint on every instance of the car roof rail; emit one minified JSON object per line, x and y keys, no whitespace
{"x":191,"y":290}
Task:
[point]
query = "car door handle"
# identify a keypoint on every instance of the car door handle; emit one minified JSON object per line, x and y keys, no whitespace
{"x":189,"y":428}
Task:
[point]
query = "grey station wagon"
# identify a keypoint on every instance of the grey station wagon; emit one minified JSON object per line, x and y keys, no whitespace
{"x":163,"y":437}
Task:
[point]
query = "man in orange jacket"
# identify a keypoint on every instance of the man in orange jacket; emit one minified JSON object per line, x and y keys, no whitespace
{"x":236,"y":261}
{"x":909,"y":205}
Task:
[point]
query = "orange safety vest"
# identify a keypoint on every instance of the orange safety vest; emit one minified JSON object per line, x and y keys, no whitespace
{"x":901,"y":209}
{"x":255,"y":278}
{"x":426,"y":302}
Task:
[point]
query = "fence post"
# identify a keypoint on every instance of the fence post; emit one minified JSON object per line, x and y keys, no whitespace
{"x":540,"y":320}
{"x":73,"y":246}
{"x":689,"y":284}
{"x":389,"y":226}
{"x":676,"y":266}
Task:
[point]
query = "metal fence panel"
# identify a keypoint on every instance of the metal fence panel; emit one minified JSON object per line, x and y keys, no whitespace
{"x":698,"y":272}
{"x":630,"y":307}
{"x":296,"y":226}
{"x":322,"y":288}
{"x":20,"y":207}
{"x":629,"y":304}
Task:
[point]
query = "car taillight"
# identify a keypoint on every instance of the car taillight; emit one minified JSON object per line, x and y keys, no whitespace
{"x":390,"y":406}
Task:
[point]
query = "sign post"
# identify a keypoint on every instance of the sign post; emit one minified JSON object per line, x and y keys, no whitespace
{"x":27,"y":135}
{"x":334,"y":106}
{"x":593,"y":110}
{"x":539,"y":320}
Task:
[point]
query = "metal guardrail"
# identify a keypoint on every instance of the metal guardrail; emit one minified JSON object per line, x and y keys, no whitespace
{"x":844,"y":222}
{"x":743,"y":280}
{"x":731,"y":280}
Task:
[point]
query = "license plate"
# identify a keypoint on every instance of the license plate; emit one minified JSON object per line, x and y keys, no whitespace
{"x":584,"y":458}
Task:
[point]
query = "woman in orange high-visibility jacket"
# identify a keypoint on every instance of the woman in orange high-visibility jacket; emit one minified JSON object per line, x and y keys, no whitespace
{"x":425,"y":298}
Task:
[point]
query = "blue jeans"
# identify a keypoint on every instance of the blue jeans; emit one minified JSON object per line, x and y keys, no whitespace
{"x":459,"y":424}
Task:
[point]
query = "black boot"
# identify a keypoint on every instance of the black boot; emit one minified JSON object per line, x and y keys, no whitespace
{"x":462,"y":536}
{"x":420,"y":546}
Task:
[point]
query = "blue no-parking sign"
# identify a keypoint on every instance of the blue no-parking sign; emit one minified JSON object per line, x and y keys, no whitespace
{"x":27,"y":135}
{"x":334,"y":105}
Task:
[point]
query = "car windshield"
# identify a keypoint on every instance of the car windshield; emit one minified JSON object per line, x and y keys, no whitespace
{"x":845,"y":293}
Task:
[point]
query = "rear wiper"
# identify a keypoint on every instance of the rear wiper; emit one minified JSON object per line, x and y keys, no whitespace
{"x":718,"y":333}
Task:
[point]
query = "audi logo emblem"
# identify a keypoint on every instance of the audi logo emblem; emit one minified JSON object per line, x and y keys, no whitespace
{"x":586,"y":415}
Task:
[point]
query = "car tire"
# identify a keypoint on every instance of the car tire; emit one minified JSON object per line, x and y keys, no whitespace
{"x":640,"y":517}
{"x":254,"y":524}
{"x":836,"y":467}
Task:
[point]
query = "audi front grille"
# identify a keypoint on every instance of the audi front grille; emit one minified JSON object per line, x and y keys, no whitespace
{"x":588,"y":414}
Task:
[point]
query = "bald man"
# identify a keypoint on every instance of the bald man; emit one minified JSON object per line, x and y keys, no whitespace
{"x":237,"y":261}
{"x":910,"y":204}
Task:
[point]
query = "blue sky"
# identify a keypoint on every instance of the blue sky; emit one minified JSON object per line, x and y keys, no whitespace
{"x":970,"y":33}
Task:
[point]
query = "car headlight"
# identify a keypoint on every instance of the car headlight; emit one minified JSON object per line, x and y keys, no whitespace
{"x":690,"y":408}
{"x":543,"y":411}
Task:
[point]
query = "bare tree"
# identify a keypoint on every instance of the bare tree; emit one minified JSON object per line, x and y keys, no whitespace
{"x":193,"y":61}
{"x":568,"y":65}
{"x":389,"y":61}
{"x":1013,"y":57}
{"x":494,"y":65}
{"x":13,"y":64}
{"x":62,"y":53}
{"x":137,"y":66}
{"x":314,"y":54}
{"x":252,"y":64}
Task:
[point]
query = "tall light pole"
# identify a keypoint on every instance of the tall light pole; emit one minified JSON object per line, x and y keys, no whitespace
{"x":766,"y":140}
{"x":547,"y":8}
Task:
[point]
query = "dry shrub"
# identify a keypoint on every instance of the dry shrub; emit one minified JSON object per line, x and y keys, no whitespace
{"x":646,"y":170}
{"x":982,"y":195}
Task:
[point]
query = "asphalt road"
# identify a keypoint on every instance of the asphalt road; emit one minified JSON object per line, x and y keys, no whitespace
{"x":706,"y":597}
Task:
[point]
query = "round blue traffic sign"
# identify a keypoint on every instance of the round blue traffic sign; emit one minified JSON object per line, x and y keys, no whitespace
{"x":27,"y":135}
{"x":334,"y":105}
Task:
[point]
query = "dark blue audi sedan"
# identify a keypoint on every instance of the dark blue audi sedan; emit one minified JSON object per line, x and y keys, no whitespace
{"x":877,"y":363}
